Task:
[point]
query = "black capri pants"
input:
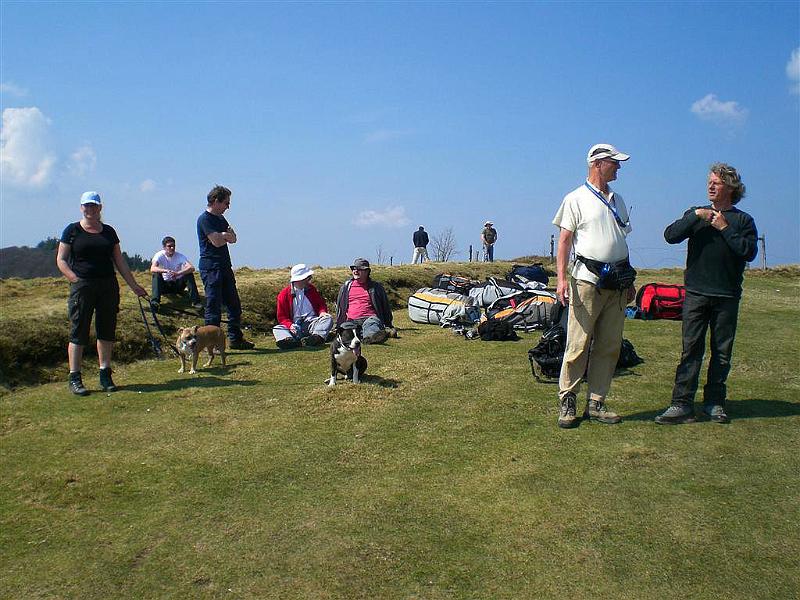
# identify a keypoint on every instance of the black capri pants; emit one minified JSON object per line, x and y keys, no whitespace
{"x":93,"y":296}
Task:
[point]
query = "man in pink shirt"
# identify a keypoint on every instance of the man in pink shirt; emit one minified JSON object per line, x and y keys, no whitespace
{"x":364,"y":301}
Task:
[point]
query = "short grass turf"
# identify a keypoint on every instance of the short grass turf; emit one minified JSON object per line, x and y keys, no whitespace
{"x":442,"y":476}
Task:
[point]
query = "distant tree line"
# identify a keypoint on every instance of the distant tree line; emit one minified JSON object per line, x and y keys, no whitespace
{"x":25,"y":262}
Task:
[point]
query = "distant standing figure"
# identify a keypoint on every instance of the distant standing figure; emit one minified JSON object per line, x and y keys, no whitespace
{"x":488,"y":238}
{"x":420,"y":240}
{"x":87,"y":254}
{"x":172,"y":273}
{"x":303,"y":318}
{"x":214,"y":234}
{"x":722,"y":239}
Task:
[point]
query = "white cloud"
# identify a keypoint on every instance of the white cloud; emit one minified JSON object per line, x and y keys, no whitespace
{"x":394,"y":216}
{"x":148,"y":185}
{"x":83,"y":160}
{"x":793,"y":71}
{"x":26,"y":157}
{"x":11,"y":88}
{"x":385,"y":135}
{"x":710,"y":108}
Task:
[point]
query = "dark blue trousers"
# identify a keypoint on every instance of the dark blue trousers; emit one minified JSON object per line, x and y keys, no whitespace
{"x":699,"y":314}
{"x":220,"y":286}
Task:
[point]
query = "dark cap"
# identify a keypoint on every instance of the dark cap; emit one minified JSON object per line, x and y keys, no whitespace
{"x":360,"y":263}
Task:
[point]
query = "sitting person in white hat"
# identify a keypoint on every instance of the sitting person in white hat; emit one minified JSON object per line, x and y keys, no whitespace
{"x":303,"y":318}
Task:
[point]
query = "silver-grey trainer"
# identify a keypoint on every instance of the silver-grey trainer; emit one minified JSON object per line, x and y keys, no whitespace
{"x":676,"y":414}
{"x":716,"y":412}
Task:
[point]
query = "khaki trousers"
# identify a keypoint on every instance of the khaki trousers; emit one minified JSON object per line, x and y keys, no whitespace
{"x":593,"y":314}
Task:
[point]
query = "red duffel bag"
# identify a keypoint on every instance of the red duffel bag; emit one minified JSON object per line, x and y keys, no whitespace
{"x":660,"y":301}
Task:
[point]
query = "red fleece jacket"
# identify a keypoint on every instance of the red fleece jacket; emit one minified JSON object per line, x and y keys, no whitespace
{"x":285,"y":303}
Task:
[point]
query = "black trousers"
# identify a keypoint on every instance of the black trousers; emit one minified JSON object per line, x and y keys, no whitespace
{"x":699,"y":314}
{"x":175,"y":287}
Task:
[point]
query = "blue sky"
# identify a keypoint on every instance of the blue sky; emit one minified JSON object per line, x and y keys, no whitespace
{"x":341,"y":127}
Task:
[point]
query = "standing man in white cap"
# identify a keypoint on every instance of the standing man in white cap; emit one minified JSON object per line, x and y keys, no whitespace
{"x":593,"y":220}
{"x":488,"y":238}
{"x":303,"y":318}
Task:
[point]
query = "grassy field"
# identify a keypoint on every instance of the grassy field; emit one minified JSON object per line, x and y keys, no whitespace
{"x":442,"y":476}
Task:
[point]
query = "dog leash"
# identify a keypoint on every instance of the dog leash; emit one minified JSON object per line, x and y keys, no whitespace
{"x":154,"y":343}
{"x":174,"y":310}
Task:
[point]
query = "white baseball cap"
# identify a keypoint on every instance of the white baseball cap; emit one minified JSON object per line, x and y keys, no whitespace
{"x":600,"y":151}
{"x":91,"y":198}
{"x":300,"y":272}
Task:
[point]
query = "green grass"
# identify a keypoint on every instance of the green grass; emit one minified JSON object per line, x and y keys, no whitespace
{"x":442,"y":476}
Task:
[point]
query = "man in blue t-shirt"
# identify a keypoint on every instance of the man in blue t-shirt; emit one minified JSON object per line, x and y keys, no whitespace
{"x":214,"y":234}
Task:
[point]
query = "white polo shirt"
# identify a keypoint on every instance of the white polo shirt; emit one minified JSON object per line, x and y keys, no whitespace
{"x":596,"y":233}
{"x":176,"y":263}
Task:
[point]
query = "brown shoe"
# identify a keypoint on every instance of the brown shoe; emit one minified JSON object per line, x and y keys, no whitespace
{"x":596,"y":411}
{"x":567,"y":415}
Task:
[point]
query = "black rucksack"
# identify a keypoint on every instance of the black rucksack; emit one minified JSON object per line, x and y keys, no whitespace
{"x":534,"y":272}
{"x":497,"y":331}
{"x":453,"y":283}
{"x":627,"y":356}
{"x":546,"y":357}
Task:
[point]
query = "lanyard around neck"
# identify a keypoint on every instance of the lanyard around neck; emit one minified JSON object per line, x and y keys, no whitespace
{"x":620,"y":222}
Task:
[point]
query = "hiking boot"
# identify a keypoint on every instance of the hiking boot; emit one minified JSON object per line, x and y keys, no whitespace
{"x":198,"y":304}
{"x":155,"y":305}
{"x":377,"y":338}
{"x":241,"y":344}
{"x":596,"y":411}
{"x":567,"y":415}
{"x":287,"y":344}
{"x":391,"y":332}
{"x":312,"y":340}
{"x":716,"y":412}
{"x":676,"y":415}
{"x":76,"y":385}
{"x":106,"y":383}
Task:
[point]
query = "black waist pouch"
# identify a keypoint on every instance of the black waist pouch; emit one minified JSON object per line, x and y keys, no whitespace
{"x":610,"y":276}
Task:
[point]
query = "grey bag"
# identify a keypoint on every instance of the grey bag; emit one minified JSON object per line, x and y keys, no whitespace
{"x":428,"y":305}
{"x":492,"y":289}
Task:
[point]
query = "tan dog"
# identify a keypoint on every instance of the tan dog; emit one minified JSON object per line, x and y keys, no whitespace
{"x":192,"y":340}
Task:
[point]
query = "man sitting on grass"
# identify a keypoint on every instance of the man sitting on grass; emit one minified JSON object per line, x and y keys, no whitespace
{"x":172,"y":274}
{"x":365,"y":302}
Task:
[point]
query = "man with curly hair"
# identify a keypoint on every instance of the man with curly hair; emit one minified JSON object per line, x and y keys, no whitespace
{"x":722,"y":239}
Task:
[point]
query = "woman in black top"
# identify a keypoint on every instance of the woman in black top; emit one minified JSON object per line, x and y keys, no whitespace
{"x":87,"y":254}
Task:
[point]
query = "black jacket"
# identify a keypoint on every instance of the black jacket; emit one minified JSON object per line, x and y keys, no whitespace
{"x":420,"y":239}
{"x":716,"y":259}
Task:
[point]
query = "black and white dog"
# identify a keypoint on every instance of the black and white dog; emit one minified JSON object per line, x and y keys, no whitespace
{"x":346,"y":353}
